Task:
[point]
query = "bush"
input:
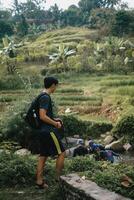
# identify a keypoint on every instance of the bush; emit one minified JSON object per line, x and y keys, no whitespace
{"x":81,"y":164}
{"x":21,"y":170}
{"x":11,"y":83}
{"x":18,"y":131}
{"x":125,"y":127}
{"x":73,"y":126}
{"x":20,"y":81}
{"x":15,"y":170}
{"x":84,"y":128}
{"x":15,"y":129}
{"x":7,"y":99}
{"x":104,"y":174}
{"x":111,"y":176}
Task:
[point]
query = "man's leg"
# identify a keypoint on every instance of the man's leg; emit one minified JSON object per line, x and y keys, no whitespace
{"x":59,"y":164}
{"x":40,"y":169}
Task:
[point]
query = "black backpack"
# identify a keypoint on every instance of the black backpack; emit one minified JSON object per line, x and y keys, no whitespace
{"x":32,"y":115}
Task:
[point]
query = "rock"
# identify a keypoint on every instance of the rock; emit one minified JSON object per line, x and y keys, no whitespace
{"x":76,"y":136}
{"x":74,"y":187}
{"x":80,"y":141}
{"x":108,"y":133}
{"x":103,"y":135}
{"x":116,"y":145}
{"x":86,"y":143}
{"x":73,"y":141}
{"x":22,"y":152}
{"x":70,"y":152}
{"x":67,"y":111}
{"x":108,"y":139}
{"x":127,"y":146}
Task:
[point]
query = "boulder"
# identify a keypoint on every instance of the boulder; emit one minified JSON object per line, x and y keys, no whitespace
{"x":73,"y":141}
{"x":127,"y":147}
{"x":76,"y":136}
{"x":70,"y":152}
{"x":116,"y":145}
{"x":103,"y":135}
{"x":22,"y":152}
{"x":109,"y":139}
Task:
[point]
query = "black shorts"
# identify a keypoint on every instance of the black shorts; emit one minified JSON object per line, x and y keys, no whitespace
{"x":50,"y":144}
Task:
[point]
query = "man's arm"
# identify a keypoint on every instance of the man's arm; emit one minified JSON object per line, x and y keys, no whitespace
{"x":48,"y":120}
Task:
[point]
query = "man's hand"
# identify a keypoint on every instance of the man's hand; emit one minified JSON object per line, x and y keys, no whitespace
{"x":48,"y":120}
{"x":58,"y":124}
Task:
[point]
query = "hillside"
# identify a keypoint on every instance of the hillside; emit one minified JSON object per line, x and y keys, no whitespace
{"x":68,"y":36}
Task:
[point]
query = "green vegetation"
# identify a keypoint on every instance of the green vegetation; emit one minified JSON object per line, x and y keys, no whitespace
{"x":90,"y":49}
{"x":18,"y":171}
{"x":85,"y":128}
{"x":125,"y":127}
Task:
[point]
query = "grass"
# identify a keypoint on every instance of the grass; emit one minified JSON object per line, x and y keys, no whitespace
{"x":78,"y":103}
{"x":81,"y":98}
{"x":125,"y":91}
{"x":67,"y":35}
{"x":118,"y":83}
{"x":70,"y":90}
{"x":87,"y":117}
{"x":84,"y":93}
{"x":7,"y":99}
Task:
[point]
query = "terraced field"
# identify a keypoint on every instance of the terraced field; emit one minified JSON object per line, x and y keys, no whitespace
{"x":102,"y":98}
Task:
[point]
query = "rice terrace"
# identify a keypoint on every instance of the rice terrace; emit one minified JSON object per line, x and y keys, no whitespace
{"x":80,"y":55}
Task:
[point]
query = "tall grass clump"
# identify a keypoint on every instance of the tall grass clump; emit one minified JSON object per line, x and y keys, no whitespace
{"x":117,"y":83}
{"x":81,"y":98}
{"x":127,"y":91}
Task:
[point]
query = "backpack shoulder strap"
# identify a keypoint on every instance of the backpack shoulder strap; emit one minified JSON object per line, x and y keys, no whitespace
{"x":40,"y":95}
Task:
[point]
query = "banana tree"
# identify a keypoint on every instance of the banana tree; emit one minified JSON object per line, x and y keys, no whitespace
{"x":62,"y":55}
{"x":8,"y":53}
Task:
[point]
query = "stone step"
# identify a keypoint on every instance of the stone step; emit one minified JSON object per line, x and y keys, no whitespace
{"x":76,"y":188}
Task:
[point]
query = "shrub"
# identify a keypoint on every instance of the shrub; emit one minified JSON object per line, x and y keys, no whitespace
{"x":70,"y":90}
{"x":97,"y":128}
{"x":21,"y":170}
{"x":73,"y":126}
{"x":11,"y":83}
{"x":81,"y":164}
{"x":17,"y":130}
{"x":84,"y":128}
{"x":125,"y":127}
{"x":15,"y":170}
{"x":110,"y":177}
{"x":7,"y":99}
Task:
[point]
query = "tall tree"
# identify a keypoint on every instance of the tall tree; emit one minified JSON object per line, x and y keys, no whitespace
{"x":22,"y":26}
{"x":72,"y":16}
{"x":16,"y":7}
{"x":55,"y":14}
{"x":110,"y":3}
{"x":6,"y":25}
{"x":124,"y":23}
{"x":88,"y":5}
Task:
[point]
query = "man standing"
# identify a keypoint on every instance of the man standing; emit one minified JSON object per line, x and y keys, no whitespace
{"x":50,"y":142}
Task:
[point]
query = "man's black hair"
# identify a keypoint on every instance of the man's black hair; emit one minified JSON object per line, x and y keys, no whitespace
{"x":49,"y":81}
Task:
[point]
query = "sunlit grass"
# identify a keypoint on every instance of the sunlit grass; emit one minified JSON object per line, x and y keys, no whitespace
{"x":127,"y":91}
{"x":117,"y":83}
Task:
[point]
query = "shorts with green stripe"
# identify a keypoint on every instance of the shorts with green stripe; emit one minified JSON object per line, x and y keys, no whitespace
{"x":50,"y":144}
